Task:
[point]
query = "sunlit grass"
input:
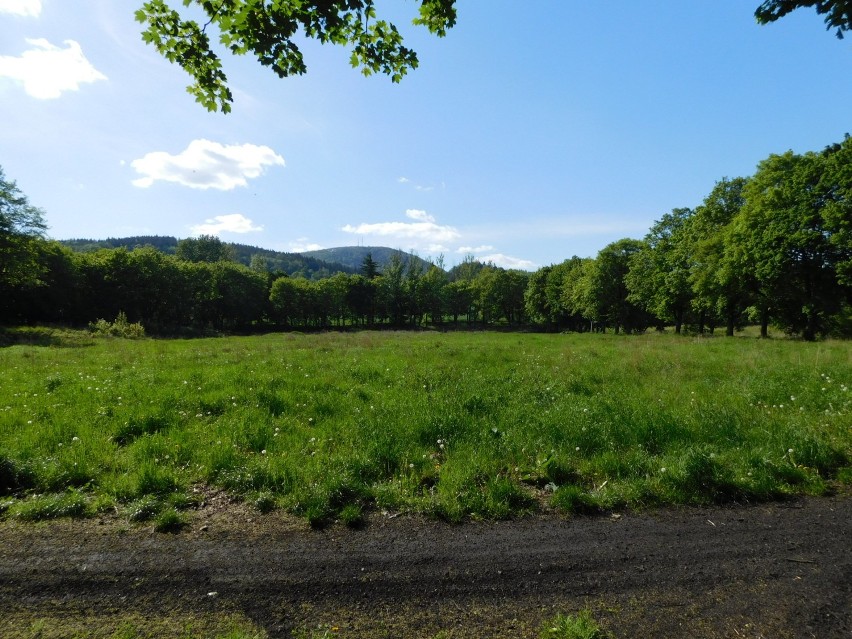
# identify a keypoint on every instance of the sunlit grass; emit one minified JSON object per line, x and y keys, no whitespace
{"x":458,"y":425}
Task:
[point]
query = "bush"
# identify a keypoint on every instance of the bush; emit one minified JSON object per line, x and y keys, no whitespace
{"x":119,"y":328}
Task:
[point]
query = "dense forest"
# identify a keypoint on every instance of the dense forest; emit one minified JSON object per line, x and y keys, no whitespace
{"x":773,"y":249}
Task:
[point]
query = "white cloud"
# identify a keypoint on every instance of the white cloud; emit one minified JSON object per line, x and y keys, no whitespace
{"x":206,"y":165}
{"x":27,"y":8}
{"x":417,"y":187}
{"x":420,"y":216}
{"x":424,"y":230}
{"x":47,"y":70}
{"x":301,"y":245}
{"x":475,"y":249}
{"x":233,"y":223}
{"x":507,"y":261}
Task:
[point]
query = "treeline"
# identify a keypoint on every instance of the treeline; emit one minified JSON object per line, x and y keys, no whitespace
{"x":775,"y":248}
{"x":293,"y":264}
{"x":170,"y":294}
{"x":772,"y":249}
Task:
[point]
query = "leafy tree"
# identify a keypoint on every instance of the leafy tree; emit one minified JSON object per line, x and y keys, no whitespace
{"x":432,"y":293}
{"x":721,"y":288}
{"x":838,"y":13}
{"x":459,"y":295}
{"x":204,"y":248}
{"x":658,"y":278}
{"x":608,"y":287}
{"x":360,"y":299}
{"x":270,"y":30}
{"x":535,"y":297}
{"x":22,"y":230}
{"x":787,"y":235}
{"x":392,"y":290}
{"x":576,"y":293}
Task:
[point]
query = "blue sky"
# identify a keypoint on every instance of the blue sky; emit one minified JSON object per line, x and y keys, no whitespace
{"x":524,"y":137}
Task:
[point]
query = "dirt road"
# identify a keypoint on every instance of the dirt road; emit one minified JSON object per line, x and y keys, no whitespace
{"x":772,"y":570}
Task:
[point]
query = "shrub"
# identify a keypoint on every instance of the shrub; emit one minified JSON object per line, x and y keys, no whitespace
{"x":121,"y":327}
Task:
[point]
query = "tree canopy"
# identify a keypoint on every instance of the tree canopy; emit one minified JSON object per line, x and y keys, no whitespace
{"x":20,"y":224}
{"x":838,"y":13}
{"x":269,"y":29}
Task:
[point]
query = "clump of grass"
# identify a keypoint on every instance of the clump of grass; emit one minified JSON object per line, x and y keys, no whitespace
{"x":573,"y":499}
{"x":144,"y":509}
{"x":51,"y":506}
{"x":264,"y":502}
{"x":169,"y":520}
{"x":352,"y":515}
{"x":579,"y":626}
{"x":14,"y":476}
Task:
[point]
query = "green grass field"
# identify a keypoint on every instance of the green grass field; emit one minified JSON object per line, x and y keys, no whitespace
{"x":455,"y":425}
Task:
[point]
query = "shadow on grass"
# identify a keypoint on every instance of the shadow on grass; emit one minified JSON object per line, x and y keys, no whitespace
{"x":44,"y":336}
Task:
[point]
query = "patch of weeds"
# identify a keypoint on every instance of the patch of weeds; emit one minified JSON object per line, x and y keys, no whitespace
{"x":144,"y":509}
{"x":135,"y":428}
{"x":52,"y":383}
{"x":844,"y":475}
{"x":505,"y":499}
{"x":155,"y":480}
{"x":702,"y":478}
{"x":169,"y":521}
{"x":579,"y":626}
{"x":14,"y":476}
{"x":264,"y":502}
{"x":352,"y":515}
{"x":52,"y":506}
{"x":559,"y":471}
{"x":573,"y":499}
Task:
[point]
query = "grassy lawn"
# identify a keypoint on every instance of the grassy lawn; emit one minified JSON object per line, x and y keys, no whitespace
{"x":452,"y":424}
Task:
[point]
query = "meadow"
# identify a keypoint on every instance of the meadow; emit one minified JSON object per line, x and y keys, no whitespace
{"x":454,"y":425}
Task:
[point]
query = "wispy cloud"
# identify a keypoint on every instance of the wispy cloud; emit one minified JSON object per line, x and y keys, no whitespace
{"x":206,"y":165}
{"x":425,"y":231}
{"x":47,"y":70}
{"x":27,"y":8}
{"x":301,"y":245}
{"x":416,"y":187}
{"x":233,"y":223}
{"x":420,"y":216}
{"x":475,"y":249}
{"x":507,"y":261}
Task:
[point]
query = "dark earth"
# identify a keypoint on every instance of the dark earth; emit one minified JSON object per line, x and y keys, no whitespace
{"x":770,"y":570}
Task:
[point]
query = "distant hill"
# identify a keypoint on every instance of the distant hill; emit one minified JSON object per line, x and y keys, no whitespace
{"x":353,"y":256}
{"x":163,"y":243}
{"x":290,"y":263}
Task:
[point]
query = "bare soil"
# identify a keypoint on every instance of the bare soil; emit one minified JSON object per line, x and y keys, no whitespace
{"x":772,"y":570}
